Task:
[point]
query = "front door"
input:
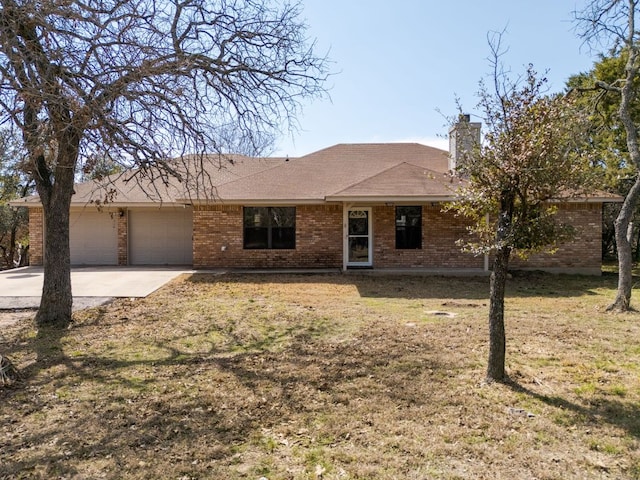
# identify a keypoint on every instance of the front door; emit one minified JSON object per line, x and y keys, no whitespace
{"x":358,"y":248}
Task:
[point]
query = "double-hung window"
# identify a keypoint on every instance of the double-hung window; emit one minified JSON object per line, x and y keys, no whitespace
{"x":409,"y":227}
{"x":269,"y":227}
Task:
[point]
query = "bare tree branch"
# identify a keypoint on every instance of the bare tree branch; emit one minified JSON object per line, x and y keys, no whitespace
{"x":142,"y":81}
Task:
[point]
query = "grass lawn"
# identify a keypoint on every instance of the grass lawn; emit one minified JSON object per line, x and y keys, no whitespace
{"x":329,"y":377}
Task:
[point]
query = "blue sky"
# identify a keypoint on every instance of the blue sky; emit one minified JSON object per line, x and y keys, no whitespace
{"x":398,"y":62}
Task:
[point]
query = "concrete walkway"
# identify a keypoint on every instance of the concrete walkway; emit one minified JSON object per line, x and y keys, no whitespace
{"x":21,"y":288}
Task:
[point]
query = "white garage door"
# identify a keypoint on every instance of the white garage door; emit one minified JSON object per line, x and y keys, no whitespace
{"x":161,"y":237}
{"x":93,"y":238}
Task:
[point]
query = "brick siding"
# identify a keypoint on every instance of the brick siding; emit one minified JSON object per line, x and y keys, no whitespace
{"x":583,"y":253}
{"x":123,"y":241}
{"x":218,"y":239}
{"x":440,"y":231}
{"x":36,"y":236}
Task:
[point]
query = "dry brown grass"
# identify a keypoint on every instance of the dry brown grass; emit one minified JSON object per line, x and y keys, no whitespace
{"x":328,"y":376}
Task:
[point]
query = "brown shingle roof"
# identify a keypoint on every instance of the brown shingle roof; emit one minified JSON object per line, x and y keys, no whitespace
{"x":200,"y":178}
{"x":327,"y":172}
{"x":344,"y":172}
{"x":349,"y":169}
{"x":402,"y":181}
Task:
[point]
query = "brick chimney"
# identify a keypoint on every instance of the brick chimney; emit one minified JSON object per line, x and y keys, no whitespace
{"x":463,"y":137}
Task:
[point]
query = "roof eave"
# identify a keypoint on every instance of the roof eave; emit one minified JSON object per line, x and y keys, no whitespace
{"x":252,"y":201}
{"x":150,"y":204}
{"x":25,"y":202}
{"x":391,"y":198}
{"x":158,"y":204}
{"x":599,"y":199}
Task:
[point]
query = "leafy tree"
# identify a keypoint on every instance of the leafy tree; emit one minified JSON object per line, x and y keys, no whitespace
{"x":13,"y":184}
{"x":607,"y":137}
{"x":612,"y":24}
{"x":528,"y":162}
{"x":142,"y":81}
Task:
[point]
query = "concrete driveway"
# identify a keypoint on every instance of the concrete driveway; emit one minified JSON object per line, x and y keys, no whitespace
{"x":91,"y":286}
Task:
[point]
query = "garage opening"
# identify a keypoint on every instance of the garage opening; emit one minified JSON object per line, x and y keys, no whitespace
{"x":161,"y":236}
{"x":93,"y":237}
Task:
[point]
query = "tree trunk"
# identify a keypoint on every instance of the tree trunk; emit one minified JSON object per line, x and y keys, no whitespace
{"x":23,"y":257}
{"x":622,"y":302}
{"x":627,"y":97}
{"x":56,"y":301}
{"x":636,"y":237}
{"x":4,"y":256}
{"x":497,"y":339}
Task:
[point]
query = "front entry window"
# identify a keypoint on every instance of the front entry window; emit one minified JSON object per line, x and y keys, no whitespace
{"x":269,"y":227}
{"x":409,"y":227}
{"x":359,"y":237}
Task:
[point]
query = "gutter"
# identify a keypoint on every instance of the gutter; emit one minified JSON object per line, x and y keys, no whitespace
{"x":252,"y":201}
{"x":390,"y":199}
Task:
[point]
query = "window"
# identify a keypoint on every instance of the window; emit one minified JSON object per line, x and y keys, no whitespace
{"x":408,"y":227}
{"x":269,"y":227}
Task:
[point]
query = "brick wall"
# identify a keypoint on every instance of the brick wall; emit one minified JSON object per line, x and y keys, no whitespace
{"x":36,"y":236}
{"x":440,"y":231}
{"x":583,"y":253}
{"x":319,"y":241}
{"x":123,"y":231}
{"x":218,"y":239}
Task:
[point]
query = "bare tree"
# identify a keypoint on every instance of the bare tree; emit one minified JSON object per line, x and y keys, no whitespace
{"x":529,"y":162}
{"x":611,"y":24}
{"x":141,"y":81}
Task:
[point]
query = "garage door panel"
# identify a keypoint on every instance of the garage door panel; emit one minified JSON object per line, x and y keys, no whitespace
{"x":93,"y":238}
{"x":161,"y":237}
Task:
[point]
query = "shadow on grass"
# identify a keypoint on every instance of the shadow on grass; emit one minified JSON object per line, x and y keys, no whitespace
{"x":191,"y":410}
{"x":522,"y":284}
{"x":48,"y":345}
{"x":600,"y":409}
{"x":181,"y":407}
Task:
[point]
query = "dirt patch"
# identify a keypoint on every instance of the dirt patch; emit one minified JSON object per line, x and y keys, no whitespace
{"x":11,"y":317}
{"x":440,"y":313}
{"x":307,"y":377}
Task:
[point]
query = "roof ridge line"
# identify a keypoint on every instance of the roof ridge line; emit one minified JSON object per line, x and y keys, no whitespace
{"x":351,"y":185}
{"x":256,"y":173}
